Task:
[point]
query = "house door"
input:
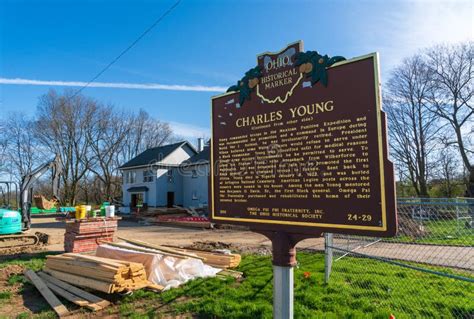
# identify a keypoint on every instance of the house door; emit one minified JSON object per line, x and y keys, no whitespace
{"x":137,"y":199}
{"x":170,"y":199}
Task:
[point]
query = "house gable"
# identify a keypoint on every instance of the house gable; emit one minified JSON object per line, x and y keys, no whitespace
{"x":172,"y":154}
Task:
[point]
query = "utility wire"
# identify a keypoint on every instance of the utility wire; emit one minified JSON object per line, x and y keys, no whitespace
{"x":128,"y":48}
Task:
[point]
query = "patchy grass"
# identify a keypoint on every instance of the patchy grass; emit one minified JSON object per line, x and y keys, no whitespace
{"x":359,"y":288}
{"x":32,"y":261}
{"x":5,"y":295}
{"x":16,"y":279}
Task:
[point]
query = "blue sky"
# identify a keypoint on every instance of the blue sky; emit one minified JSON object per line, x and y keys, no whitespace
{"x":201,"y":43}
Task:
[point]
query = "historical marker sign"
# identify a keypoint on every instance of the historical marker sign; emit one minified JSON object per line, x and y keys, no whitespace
{"x":299,"y":146}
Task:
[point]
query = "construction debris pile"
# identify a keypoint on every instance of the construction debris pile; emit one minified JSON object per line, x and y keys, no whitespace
{"x":165,"y":266}
{"x":102,"y":274}
{"x":85,"y":235}
{"x":124,"y":267}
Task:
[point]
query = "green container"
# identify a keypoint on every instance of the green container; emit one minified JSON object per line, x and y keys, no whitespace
{"x":36,"y":210}
{"x":10,"y":222}
{"x":102,"y":208}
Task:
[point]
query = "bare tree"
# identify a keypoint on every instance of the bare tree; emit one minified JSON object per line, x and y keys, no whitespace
{"x":412,"y":127}
{"x":20,"y":145}
{"x":3,"y":147}
{"x":62,"y":126}
{"x":145,"y":132}
{"x":451,"y":96}
{"x":448,"y":169}
{"x":116,"y":137}
{"x":107,"y":138}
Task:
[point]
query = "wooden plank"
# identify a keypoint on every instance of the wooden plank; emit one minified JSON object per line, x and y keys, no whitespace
{"x":158,"y":247}
{"x":155,"y":287}
{"x":87,"y":272}
{"x":145,"y":250}
{"x":73,"y":289}
{"x":72,"y":298}
{"x":81,"y":281}
{"x":99,"y":260}
{"x":53,"y":301}
{"x":82,"y":263}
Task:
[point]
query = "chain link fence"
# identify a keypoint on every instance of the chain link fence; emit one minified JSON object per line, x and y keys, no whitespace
{"x":426,"y":271}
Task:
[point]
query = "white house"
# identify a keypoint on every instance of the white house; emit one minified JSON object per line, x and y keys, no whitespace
{"x":174,"y":174}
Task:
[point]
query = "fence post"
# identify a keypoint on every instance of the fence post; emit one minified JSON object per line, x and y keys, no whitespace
{"x":458,"y":232}
{"x":328,"y":255}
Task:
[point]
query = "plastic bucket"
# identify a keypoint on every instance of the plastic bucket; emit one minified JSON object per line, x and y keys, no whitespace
{"x":110,"y":211}
{"x":81,"y":212}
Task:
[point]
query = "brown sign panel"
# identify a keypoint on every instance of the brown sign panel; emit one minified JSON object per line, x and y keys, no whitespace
{"x":299,"y":145}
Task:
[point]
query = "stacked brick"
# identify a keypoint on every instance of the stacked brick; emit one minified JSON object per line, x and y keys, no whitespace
{"x":86,"y":234}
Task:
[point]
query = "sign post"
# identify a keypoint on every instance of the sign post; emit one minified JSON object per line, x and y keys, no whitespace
{"x":299,"y":148}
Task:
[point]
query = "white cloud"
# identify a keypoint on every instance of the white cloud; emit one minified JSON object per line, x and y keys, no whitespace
{"x":411,"y":26}
{"x":189,"y":131}
{"x":138,"y":86}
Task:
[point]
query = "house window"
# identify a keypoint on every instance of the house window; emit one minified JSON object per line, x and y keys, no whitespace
{"x":170,"y":176}
{"x":147,"y":176}
{"x":195,"y":175}
{"x":130,"y":177}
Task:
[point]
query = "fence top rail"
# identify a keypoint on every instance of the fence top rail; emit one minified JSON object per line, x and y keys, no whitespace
{"x":435,"y":203}
{"x":446,"y":199}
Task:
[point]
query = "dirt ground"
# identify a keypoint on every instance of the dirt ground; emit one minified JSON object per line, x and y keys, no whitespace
{"x":28,"y":301}
{"x":241,"y":240}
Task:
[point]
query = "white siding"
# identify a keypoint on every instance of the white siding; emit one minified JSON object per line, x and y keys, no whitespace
{"x":195,"y":189}
{"x":178,"y":156}
{"x":183,"y":186}
{"x":149,"y":197}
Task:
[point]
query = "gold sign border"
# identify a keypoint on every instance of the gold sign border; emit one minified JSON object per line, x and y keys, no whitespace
{"x":378,"y":102}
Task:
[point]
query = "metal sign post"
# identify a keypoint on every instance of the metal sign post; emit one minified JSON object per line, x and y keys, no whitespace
{"x":282,"y":292}
{"x":284,"y":261}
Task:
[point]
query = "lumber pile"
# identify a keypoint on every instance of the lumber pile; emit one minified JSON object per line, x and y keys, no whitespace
{"x":86,"y":234}
{"x":214,"y":259}
{"x":211,"y":258}
{"x":102,"y":274}
{"x":51,"y":287}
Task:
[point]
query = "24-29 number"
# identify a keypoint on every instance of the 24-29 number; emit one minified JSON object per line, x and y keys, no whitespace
{"x":362,"y":217}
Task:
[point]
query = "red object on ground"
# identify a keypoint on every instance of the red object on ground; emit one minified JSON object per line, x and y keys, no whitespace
{"x":86,"y":234}
{"x":184,"y":219}
{"x":391,"y":317}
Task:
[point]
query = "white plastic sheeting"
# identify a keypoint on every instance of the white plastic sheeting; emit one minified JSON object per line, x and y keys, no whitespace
{"x":161,"y":269}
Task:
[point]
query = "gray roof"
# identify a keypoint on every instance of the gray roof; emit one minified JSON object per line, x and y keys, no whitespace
{"x":200,"y":158}
{"x":154,"y":155}
{"x":137,"y":189}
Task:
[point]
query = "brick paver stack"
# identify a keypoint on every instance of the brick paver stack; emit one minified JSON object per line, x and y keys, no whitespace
{"x":86,"y":234}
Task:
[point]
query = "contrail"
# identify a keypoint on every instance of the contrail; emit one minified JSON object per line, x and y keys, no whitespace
{"x":137,"y":86}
